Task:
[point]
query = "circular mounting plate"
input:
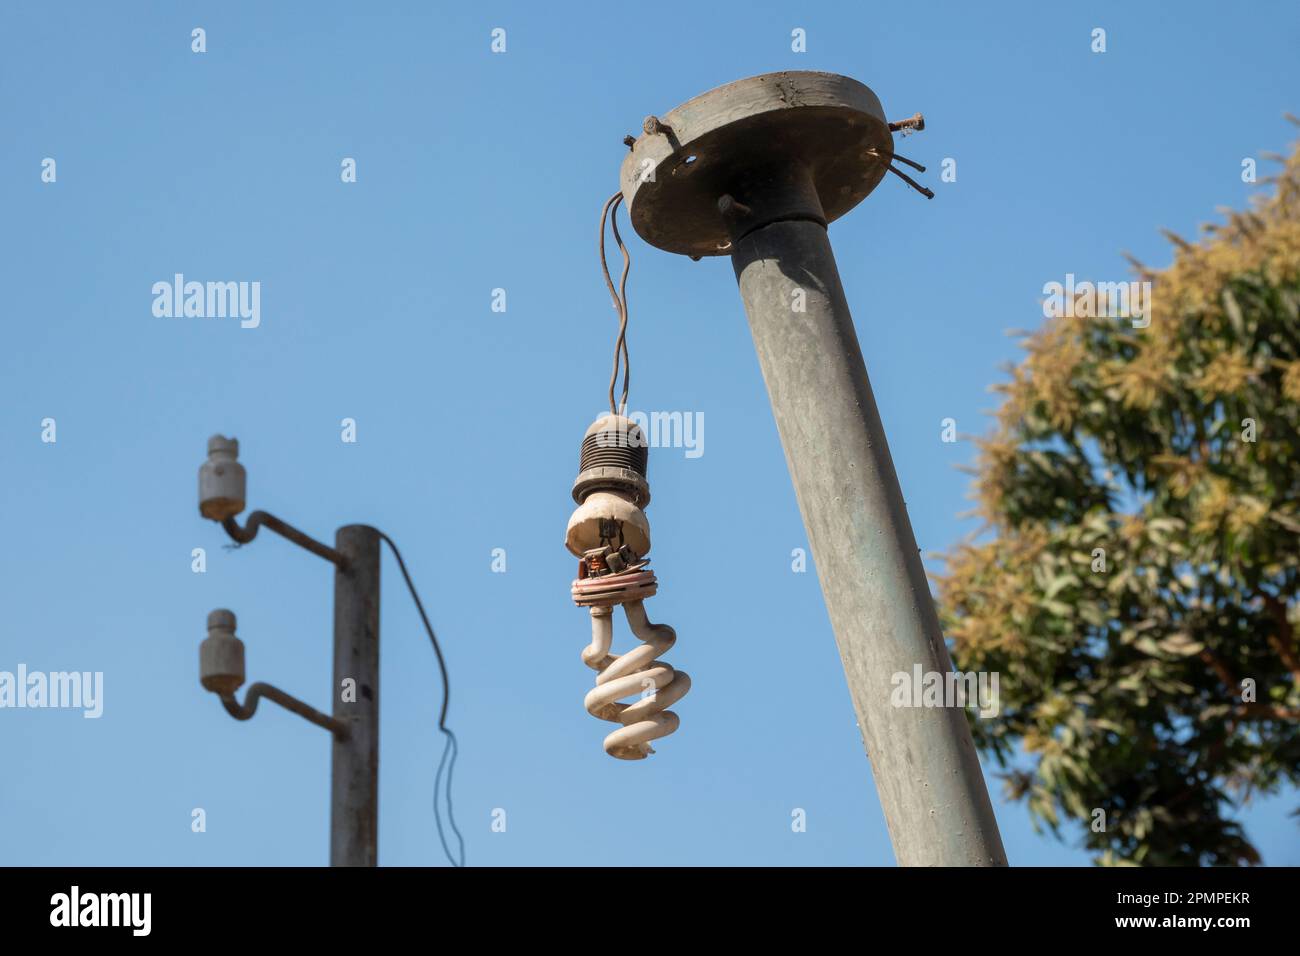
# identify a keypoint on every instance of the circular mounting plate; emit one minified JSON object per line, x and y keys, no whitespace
{"x":672,"y":179}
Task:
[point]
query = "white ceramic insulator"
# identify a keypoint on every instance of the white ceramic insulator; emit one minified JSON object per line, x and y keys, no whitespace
{"x":221,"y":655}
{"x":222,"y":480}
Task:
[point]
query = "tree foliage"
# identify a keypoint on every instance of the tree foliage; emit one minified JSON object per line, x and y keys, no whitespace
{"x":1135,"y":580}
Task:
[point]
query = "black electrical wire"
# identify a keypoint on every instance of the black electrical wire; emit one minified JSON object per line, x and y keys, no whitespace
{"x":452,"y":748}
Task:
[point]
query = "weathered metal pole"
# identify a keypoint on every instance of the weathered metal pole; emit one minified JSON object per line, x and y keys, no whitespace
{"x":757,"y":169}
{"x":354,"y":800}
{"x":925,"y":766}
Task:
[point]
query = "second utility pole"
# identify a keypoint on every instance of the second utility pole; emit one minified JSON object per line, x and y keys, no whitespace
{"x":354,"y":724}
{"x":756,"y":169}
{"x":354,"y":764}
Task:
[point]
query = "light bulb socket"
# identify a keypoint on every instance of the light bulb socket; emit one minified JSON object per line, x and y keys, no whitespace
{"x":613,"y":458}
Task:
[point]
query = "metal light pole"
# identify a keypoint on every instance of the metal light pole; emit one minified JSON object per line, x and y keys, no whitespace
{"x":755,"y":170}
{"x":354,"y":794}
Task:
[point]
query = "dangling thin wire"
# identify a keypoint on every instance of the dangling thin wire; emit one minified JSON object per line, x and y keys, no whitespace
{"x":610,"y":212}
{"x":453,"y":748}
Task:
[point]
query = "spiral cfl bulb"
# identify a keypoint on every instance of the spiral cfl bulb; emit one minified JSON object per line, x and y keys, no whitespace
{"x":610,"y":535}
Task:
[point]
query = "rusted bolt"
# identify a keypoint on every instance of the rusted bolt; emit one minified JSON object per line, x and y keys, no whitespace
{"x":729,"y":207}
{"x":916,"y":122}
{"x":629,"y":141}
{"x":652,"y":125}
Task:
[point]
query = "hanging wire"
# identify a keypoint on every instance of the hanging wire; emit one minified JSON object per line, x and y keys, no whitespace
{"x":610,"y":212}
{"x":452,"y":748}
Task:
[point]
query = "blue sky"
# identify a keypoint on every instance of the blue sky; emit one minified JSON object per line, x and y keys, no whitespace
{"x":479,"y":171}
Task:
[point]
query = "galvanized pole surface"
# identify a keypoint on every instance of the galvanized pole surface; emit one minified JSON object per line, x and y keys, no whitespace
{"x":924,"y":763}
{"x":354,"y":801}
{"x":755,"y":170}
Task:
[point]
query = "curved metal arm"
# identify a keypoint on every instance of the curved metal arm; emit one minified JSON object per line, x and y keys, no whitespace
{"x":258,"y":518}
{"x":256,"y":691}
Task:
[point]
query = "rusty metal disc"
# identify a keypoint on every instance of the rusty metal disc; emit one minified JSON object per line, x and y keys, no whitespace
{"x":739,"y":139}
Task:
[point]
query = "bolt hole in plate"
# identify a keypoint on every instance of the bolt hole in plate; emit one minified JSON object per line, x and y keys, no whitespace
{"x":826,"y":122}
{"x":684,"y":168}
